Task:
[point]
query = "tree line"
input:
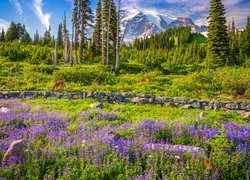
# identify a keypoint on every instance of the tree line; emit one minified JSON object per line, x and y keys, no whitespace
{"x":224,"y":45}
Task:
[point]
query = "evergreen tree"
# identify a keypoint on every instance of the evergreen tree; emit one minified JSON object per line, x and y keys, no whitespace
{"x":218,"y":41}
{"x":233,"y":29}
{"x":60,"y":36}
{"x":97,"y":35}
{"x":86,"y":20}
{"x":36,"y":38}
{"x":47,"y":37}
{"x":2,"y":36}
{"x":12,"y":32}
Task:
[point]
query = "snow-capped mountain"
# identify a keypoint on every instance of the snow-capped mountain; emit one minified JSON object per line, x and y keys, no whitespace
{"x":138,"y":24}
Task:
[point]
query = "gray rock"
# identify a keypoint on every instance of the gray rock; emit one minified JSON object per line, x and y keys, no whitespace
{"x":180,"y":100}
{"x":160,"y":100}
{"x":77,"y":96}
{"x":90,"y":94}
{"x":246,"y":115}
{"x":188,"y":106}
{"x":135,"y":100}
{"x":196,"y":105}
{"x":216,"y":106}
{"x":201,"y":115}
{"x":119,"y":98}
{"x":97,"y":105}
{"x":127,"y":100}
{"x":17,"y":149}
{"x":231,"y":106}
{"x":144,"y":101}
{"x":84,"y":95}
{"x":28,"y":94}
{"x":45,"y":94}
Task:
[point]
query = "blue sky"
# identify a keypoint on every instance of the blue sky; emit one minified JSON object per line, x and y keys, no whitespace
{"x":39,"y":14}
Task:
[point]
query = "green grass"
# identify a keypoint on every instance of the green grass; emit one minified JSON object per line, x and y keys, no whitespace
{"x":136,"y":113}
{"x":223,"y":83}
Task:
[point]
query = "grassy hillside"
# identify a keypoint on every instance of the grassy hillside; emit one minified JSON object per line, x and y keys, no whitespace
{"x":186,"y":81}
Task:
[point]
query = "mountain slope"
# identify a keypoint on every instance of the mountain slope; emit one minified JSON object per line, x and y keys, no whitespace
{"x":141,"y":24}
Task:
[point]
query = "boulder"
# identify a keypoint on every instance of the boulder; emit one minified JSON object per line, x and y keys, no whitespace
{"x":16,"y":149}
{"x":97,"y":105}
{"x":119,"y":98}
{"x":171,"y":104}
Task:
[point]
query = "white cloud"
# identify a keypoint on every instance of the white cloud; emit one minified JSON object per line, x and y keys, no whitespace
{"x":43,"y":17}
{"x":4,"y":24}
{"x":18,"y":6}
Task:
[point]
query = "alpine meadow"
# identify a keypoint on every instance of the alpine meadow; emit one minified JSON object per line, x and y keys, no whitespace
{"x":125,"y":89}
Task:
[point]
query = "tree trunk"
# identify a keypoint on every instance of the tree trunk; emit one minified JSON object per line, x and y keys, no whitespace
{"x":55,"y":54}
{"x":103,"y":53}
{"x":117,"y":63}
{"x":76,"y":44}
{"x":71,"y":47}
{"x":109,"y":15}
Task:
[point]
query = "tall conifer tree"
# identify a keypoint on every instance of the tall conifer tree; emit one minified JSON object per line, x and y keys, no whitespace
{"x":218,"y":41}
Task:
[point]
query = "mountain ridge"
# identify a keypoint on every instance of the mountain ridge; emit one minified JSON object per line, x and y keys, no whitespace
{"x":140,"y":24}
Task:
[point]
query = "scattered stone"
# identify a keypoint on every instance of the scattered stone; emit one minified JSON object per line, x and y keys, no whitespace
{"x":196,"y":105}
{"x":97,"y":105}
{"x":160,"y":100}
{"x":188,"y":106}
{"x":246,"y":115}
{"x":171,"y":104}
{"x":5,"y":110}
{"x":135,"y":100}
{"x":216,"y":106}
{"x":16,"y":149}
{"x":201,"y":115}
{"x":119,"y":98}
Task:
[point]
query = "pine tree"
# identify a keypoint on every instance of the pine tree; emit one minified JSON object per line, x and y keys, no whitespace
{"x":218,"y":41}
{"x":86,"y":20}
{"x":60,"y":36}
{"x":12,"y":32}
{"x":97,"y":35}
{"x":233,"y":29}
{"x":47,"y":37}
{"x":2,"y":36}
{"x":36,"y":37}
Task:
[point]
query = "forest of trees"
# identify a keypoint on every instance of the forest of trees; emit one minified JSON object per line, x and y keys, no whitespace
{"x":224,"y":46}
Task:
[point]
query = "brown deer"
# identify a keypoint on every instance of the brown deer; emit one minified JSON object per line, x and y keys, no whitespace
{"x":145,"y":79}
{"x":59,"y":83}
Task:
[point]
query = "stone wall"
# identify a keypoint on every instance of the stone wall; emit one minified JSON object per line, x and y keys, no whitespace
{"x":129,"y":98}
